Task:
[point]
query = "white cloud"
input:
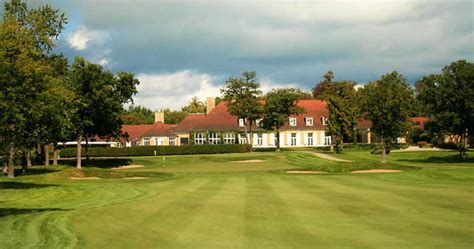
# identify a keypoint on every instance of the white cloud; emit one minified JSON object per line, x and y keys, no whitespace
{"x":174,"y":90}
{"x":103,"y":62}
{"x":82,"y":38}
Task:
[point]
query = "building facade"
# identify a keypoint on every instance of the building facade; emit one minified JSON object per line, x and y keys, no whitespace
{"x":218,"y":126}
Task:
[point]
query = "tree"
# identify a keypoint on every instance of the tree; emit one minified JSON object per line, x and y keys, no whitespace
{"x":194,"y":106}
{"x":243,"y":99}
{"x":387,"y":103}
{"x":321,"y":89}
{"x":449,"y":98}
{"x":26,"y":38}
{"x":100,"y":97}
{"x":341,"y":98}
{"x":173,"y":117}
{"x":136,"y":115}
{"x":279,"y":105}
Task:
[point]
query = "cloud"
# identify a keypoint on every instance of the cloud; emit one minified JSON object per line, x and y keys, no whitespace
{"x":174,"y":90}
{"x":81,"y":38}
{"x":284,"y":41}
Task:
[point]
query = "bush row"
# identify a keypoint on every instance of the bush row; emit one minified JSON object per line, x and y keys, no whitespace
{"x":158,"y":150}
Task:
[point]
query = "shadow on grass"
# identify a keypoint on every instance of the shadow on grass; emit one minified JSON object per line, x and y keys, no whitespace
{"x":99,"y":163}
{"x":24,"y":185}
{"x":19,"y":211}
{"x":440,"y":159}
{"x":35,"y":170}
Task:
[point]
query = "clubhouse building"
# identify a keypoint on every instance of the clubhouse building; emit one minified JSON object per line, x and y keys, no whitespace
{"x":218,"y":126}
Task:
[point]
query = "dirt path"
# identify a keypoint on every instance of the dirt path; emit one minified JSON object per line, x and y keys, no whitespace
{"x":329,"y":157}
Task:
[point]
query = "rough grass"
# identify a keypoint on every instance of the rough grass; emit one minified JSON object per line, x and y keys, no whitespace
{"x":210,"y":201}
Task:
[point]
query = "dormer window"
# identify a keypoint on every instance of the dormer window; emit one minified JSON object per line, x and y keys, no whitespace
{"x":241,"y":122}
{"x":309,"y":121}
{"x":292,"y":121}
{"x":324,"y":121}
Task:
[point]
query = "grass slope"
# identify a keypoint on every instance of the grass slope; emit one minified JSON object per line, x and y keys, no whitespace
{"x":215,"y":201}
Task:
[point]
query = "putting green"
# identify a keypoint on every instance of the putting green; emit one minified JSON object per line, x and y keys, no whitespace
{"x":226,"y":201}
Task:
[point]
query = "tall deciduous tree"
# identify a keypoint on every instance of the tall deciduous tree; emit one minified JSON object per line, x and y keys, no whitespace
{"x":387,"y":103}
{"x":136,"y":115}
{"x":449,"y":98}
{"x":341,"y":98}
{"x":194,"y":106}
{"x":321,"y":89}
{"x":243,"y":99}
{"x":100,"y":97}
{"x":26,"y":38}
{"x":279,"y":105}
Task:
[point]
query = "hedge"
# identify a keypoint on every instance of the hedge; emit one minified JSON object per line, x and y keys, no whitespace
{"x":159,"y":150}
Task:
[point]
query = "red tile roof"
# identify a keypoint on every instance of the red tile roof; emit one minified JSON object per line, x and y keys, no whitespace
{"x":419,"y":122}
{"x":138,"y":131}
{"x":219,"y":118}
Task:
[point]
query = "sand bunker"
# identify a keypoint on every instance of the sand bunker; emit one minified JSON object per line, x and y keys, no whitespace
{"x":376,"y":171}
{"x":249,"y":161}
{"x":131,"y":166}
{"x":84,"y":178}
{"x":305,"y":172}
{"x":136,"y":177}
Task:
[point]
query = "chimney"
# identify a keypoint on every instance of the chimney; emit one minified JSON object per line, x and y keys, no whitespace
{"x":210,"y":104}
{"x":159,"y":117}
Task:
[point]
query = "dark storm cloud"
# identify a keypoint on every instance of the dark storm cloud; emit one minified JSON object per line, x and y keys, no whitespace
{"x":285,"y":42}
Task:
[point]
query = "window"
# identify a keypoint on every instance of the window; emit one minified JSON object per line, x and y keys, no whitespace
{"x":199,"y":138}
{"x":158,"y":141}
{"x":229,"y":138}
{"x":324,"y":121}
{"x":309,"y":121}
{"x":241,"y":122}
{"x":258,"y":122}
{"x":146,"y":141}
{"x":172,"y":141}
{"x":214,"y":138}
{"x":293,"y":139}
{"x":242,"y":139}
{"x":260,"y":139}
{"x":292,"y":121}
{"x":184,"y":140}
{"x":310,"y":138}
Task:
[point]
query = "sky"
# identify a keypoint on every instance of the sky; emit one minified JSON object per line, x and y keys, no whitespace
{"x":179,"y":49}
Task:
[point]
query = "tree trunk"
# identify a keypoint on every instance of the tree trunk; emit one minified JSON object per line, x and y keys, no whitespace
{"x":463,"y":147}
{"x":11,"y":157}
{"x":384,"y":148}
{"x":278,"y":139}
{"x":250,"y":132}
{"x":87,"y":148}
{"x":5,"y":168}
{"x":46,"y":155}
{"x":28,"y":159}
{"x":78,"y":152}
{"x":55,"y":156}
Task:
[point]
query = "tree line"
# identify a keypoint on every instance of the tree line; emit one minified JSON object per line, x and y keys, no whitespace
{"x":447,"y":99}
{"x":45,"y":100}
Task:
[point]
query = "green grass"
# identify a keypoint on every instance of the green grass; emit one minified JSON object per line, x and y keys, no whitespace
{"x":215,"y":201}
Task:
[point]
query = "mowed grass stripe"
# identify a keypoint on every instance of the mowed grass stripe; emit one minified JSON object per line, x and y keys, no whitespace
{"x":343,"y":216}
{"x":131,"y":224}
{"x":408,"y":224}
{"x":269,"y":221}
{"x":219,"y":222}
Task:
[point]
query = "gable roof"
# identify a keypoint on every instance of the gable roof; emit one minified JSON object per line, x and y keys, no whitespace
{"x":219,"y":119}
{"x":153,"y":130}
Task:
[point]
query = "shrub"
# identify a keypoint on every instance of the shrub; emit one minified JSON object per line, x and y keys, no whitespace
{"x":159,"y":150}
{"x":423,"y":144}
{"x":450,"y":145}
